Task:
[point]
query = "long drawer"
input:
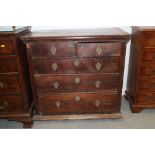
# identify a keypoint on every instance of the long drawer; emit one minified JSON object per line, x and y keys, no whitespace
{"x":8,"y":65}
{"x":9,"y":83}
{"x":146,"y":84}
{"x":77,"y":83}
{"x":10,"y":103}
{"x":77,"y":103}
{"x":143,"y":98}
{"x":76,"y":65}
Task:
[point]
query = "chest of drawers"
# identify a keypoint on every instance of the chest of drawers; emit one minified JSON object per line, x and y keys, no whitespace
{"x":15,"y":88}
{"x":141,"y":76}
{"x":76,"y":74}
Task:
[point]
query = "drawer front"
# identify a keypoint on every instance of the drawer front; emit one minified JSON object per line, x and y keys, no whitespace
{"x":10,"y":103}
{"x":76,"y":83}
{"x":145,"y":98}
{"x":98,"y":49}
{"x":148,"y":84}
{"x":76,"y":65}
{"x":9,"y":83}
{"x":149,"y":41}
{"x":147,"y":71}
{"x":149,"y":56}
{"x":6,"y":46}
{"x":8,"y":65}
{"x":77,"y":103}
{"x":53,"y":49}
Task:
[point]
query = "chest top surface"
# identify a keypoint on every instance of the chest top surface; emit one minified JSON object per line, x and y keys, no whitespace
{"x":106,"y":33}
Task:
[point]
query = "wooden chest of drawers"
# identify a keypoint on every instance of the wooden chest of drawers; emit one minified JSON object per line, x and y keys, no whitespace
{"x":76,"y":74}
{"x":15,"y":88}
{"x":141,"y":76}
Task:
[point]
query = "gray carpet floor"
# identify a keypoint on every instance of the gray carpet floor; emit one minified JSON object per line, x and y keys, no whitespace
{"x":143,"y":120}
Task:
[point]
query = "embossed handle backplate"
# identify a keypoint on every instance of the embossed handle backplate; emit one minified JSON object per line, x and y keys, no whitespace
{"x":58,"y":104}
{"x":1,"y":85}
{"x":98,"y":50}
{"x":97,"y":83}
{"x":97,"y":103}
{"x":77,"y":98}
{"x":54,"y":67}
{"x":53,"y":51}
{"x":56,"y":85}
{"x":76,"y":63}
{"x":77,"y":80}
{"x":98,"y":66}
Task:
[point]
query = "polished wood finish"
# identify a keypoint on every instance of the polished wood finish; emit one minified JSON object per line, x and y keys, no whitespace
{"x":76,"y":73}
{"x":15,"y":88}
{"x":141,"y":76}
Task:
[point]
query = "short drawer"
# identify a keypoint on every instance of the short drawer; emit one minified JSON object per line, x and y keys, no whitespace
{"x":147,"y":84}
{"x":10,"y":103}
{"x":6,"y":46}
{"x":145,"y":98}
{"x":76,"y":65}
{"x":9,"y":83}
{"x":147,"y":71}
{"x":98,"y":49}
{"x":53,"y":49}
{"x":149,"y":40}
{"x":76,"y":83}
{"x":149,"y":56}
{"x":77,"y":103}
{"x":8,"y":65}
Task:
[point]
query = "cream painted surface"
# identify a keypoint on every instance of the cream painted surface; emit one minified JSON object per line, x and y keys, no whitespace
{"x":125,"y":28}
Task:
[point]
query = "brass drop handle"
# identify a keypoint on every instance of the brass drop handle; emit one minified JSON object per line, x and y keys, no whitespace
{"x":77,"y":98}
{"x":97,"y":103}
{"x":56,"y":85}
{"x":54,"y":67}
{"x":76,"y":63}
{"x":77,"y":80}
{"x":98,"y":66}
{"x":1,"y":85}
{"x":53,"y":51}
{"x":98,"y":50}
{"x":4,"y":105}
{"x":2,"y":46}
{"x":58,"y":104}
{"x":97,"y":83}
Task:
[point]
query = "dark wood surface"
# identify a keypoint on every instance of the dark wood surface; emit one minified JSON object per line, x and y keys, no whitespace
{"x":70,"y":66}
{"x":15,"y":88}
{"x":141,"y":75}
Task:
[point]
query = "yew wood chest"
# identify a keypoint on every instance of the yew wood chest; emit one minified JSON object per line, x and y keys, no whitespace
{"x":15,"y":87}
{"x":76,"y":74}
{"x":141,"y":76}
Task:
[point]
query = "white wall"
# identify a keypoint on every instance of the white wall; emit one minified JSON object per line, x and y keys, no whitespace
{"x":125,"y":28}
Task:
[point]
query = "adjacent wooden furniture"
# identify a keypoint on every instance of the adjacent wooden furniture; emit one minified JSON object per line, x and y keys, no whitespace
{"x":76,"y":74}
{"x":141,"y":76}
{"x":15,"y":88}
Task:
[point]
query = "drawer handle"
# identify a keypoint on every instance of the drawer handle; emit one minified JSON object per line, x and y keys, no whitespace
{"x":1,"y":85}
{"x":56,"y":85}
{"x":77,"y":80}
{"x":53,"y":51}
{"x":98,"y":66}
{"x":97,"y":103}
{"x":2,"y":46}
{"x":98,"y":50}
{"x":58,"y":104}
{"x":76,"y":63}
{"x":97,"y":83}
{"x":4,"y":105}
{"x":77,"y":98}
{"x":54,"y":67}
